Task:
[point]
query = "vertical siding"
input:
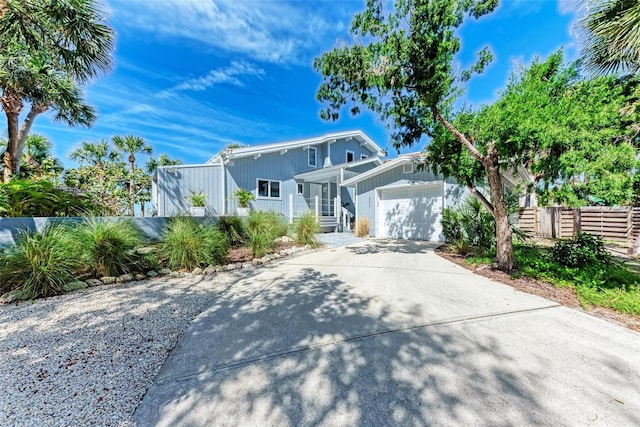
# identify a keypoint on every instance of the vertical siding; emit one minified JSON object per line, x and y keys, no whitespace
{"x":367,"y":190}
{"x":455,"y":193}
{"x":339,"y":151}
{"x":175,"y":184}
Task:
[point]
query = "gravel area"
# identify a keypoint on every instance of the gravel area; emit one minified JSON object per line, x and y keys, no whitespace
{"x":88,"y":357}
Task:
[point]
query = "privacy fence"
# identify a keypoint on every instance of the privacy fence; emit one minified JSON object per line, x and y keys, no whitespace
{"x":612,"y":223}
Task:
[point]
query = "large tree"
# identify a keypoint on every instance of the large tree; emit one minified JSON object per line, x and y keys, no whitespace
{"x":131,"y":145}
{"x":48,"y":48}
{"x":402,"y":68}
{"x":98,"y":155}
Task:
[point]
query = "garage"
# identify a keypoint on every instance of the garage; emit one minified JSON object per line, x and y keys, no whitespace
{"x":410,"y":212}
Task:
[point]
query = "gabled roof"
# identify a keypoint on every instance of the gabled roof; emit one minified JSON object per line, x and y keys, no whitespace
{"x":254,"y":150}
{"x":391,"y":164}
{"x":334,"y":171}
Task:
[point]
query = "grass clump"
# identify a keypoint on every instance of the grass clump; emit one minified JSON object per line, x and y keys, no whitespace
{"x":362,"y":227}
{"x":263,"y":228}
{"x":109,"y":247}
{"x":306,"y":229}
{"x":41,"y":263}
{"x":604,"y":284}
{"x":233,"y":228}
{"x":188,"y":244}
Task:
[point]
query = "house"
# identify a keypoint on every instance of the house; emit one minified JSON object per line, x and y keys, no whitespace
{"x":403,"y":202}
{"x":289,"y":177}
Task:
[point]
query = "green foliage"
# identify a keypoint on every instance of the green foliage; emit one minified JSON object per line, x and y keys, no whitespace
{"x":188,"y":244}
{"x":452,"y":225}
{"x":583,"y":250}
{"x":41,"y":263}
{"x":600,"y":284}
{"x":197,"y":200}
{"x":263,"y":228}
{"x":41,"y":199}
{"x":306,"y":228}
{"x":109,"y":247}
{"x":244,"y":197}
{"x":233,"y":228}
{"x":478,"y":225}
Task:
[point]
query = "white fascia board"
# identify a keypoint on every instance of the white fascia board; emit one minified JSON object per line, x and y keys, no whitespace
{"x":336,"y":168}
{"x":201,"y":165}
{"x":375,"y":171}
{"x":411,"y":185}
{"x":300,"y":143}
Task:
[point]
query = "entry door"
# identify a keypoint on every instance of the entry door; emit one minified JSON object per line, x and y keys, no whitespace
{"x":315,"y":190}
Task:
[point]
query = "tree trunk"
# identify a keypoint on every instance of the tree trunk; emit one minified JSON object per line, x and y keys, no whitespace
{"x":142,"y":209}
{"x":505,"y":259}
{"x":12,"y":106}
{"x":35,"y":110}
{"x":132,"y":190}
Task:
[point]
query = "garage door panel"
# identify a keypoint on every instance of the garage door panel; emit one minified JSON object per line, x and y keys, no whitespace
{"x":413,"y":213}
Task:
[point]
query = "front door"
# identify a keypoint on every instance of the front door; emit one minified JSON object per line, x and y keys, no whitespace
{"x":315,"y":190}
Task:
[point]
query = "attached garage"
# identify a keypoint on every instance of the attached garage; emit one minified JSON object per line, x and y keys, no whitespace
{"x":410,"y":212}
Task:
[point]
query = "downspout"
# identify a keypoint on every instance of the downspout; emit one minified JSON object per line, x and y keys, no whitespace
{"x":224,"y":188}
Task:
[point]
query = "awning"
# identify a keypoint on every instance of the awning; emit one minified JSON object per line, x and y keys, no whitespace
{"x":336,"y":173}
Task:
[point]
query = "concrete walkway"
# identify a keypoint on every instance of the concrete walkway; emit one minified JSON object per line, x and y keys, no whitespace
{"x":338,"y":239}
{"x":388,"y":333}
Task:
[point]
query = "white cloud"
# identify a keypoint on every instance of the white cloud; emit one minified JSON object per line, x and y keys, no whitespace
{"x":229,"y":75}
{"x":271,"y":31}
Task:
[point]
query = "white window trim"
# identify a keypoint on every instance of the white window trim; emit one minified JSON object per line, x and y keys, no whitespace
{"x":298,"y":186}
{"x":315,"y":157}
{"x":363,"y":156}
{"x":346,"y":156}
{"x":258,"y":196}
{"x":409,"y":169}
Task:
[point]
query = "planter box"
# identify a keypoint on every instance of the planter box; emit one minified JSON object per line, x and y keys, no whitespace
{"x":197,"y":211}
{"x":244,"y":212}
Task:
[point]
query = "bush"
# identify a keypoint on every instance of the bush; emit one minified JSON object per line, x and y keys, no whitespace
{"x":109,"y":247}
{"x":584,"y":250}
{"x":452,"y":225}
{"x":41,"y":263}
{"x":188,"y":244}
{"x":362,"y":227}
{"x":306,"y":229}
{"x":263,"y":229}
{"x":233,"y":228}
{"x":478,"y":224}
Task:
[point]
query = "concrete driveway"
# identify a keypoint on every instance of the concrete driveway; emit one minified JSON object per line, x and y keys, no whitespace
{"x":388,"y":333}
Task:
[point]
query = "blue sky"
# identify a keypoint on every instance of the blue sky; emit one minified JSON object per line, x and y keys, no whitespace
{"x":192,"y":76}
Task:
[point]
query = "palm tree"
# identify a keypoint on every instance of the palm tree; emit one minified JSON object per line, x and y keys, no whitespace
{"x":131,"y":145}
{"x":47,"y":49}
{"x":611,"y":36}
{"x":95,"y":154}
{"x":162,"y":160}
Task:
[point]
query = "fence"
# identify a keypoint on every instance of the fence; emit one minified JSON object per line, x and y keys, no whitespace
{"x":613,"y":223}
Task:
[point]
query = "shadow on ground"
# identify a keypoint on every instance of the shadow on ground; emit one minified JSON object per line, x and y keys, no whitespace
{"x":305,"y":350}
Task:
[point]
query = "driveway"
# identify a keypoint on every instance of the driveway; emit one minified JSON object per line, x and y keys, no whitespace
{"x":387,"y":333}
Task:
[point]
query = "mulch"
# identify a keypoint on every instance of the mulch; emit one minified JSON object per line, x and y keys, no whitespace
{"x":565,"y":296}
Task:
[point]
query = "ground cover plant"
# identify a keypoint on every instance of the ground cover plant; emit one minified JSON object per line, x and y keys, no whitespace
{"x":306,"y":228}
{"x":263,"y":228}
{"x":233,"y":227}
{"x":583,"y":265}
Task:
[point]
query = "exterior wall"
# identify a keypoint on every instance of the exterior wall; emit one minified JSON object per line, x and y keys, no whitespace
{"x":175,"y":184}
{"x":455,"y":194}
{"x":367,"y":190}
{"x":339,"y":151}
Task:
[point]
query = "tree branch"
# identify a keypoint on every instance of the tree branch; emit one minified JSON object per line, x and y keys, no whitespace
{"x":478,"y":195}
{"x":458,"y":135}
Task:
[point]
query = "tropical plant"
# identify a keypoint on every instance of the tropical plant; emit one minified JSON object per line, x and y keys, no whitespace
{"x":583,"y":250}
{"x":162,"y":160}
{"x":22,"y":198}
{"x":243,"y":197}
{"x":197,"y":200}
{"x":48,"y":48}
{"x":104,"y":186}
{"x":362,"y":227}
{"x":131,"y":145}
{"x":263,"y":228}
{"x":452,"y":229}
{"x":188,"y":244}
{"x":611,"y":36}
{"x":233,"y":228}
{"x":41,"y":263}
{"x":108,"y":248}
{"x":306,"y":228}
{"x":96,"y":154}
{"x":36,"y":161}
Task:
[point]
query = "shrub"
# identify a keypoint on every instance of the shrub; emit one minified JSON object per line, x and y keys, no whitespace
{"x":452,"y":225}
{"x":188,"y":244}
{"x":584,"y":250}
{"x":362,"y":227}
{"x":233,"y":228}
{"x":244,"y":197}
{"x":41,"y":263}
{"x":478,"y":224}
{"x":306,"y":229}
{"x":263,"y":228}
{"x":109,"y":247}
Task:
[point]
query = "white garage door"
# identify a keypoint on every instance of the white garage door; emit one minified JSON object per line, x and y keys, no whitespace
{"x":411,"y":213}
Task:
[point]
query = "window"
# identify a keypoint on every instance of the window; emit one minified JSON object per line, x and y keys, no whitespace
{"x":300,"y":188}
{"x":268,"y":189}
{"x":363,"y":156}
{"x":407,"y":168}
{"x":313,"y":157}
{"x":350,"y":156}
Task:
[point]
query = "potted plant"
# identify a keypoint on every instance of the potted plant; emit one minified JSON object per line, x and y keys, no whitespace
{"x":198,"y":203}
{"x":243,"y":197}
